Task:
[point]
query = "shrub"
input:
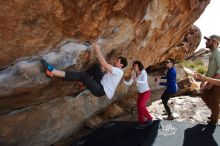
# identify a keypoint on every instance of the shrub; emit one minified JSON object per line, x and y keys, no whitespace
{"x":199,"y":62}
{"x":201,"y":69}
{"x":196,"y":65}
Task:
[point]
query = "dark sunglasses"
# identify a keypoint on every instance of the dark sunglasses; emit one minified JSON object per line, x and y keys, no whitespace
{"x":167,"y":62}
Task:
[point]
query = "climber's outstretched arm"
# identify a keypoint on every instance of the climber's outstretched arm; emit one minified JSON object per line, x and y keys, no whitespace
{"x":101,"y":59}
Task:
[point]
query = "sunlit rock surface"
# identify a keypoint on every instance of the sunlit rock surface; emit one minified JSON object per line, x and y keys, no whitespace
{"x":57,"y":31}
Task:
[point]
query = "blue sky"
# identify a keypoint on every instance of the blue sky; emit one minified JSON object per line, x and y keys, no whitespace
{"x":209,"y":21}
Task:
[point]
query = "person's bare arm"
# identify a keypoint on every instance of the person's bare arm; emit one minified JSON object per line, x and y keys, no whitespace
{"x":101,"y":59}
{"x":209,"y":84}
{"x":208,"y":79}
{"x":202,"y":85}
{"x":213,"y":81}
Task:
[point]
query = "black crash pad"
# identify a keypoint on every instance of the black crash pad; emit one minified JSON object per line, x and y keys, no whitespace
{"x":160,"y":133}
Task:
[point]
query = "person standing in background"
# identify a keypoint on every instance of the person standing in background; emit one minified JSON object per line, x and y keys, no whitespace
{"x":211,"y":93}
{"x":171,"y":86}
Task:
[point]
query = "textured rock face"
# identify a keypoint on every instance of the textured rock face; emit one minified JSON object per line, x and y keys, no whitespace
{"x":46,"y":123}
{"x":28,"y":28}
{"x":57,"y":30}
{"x":186,"y":47}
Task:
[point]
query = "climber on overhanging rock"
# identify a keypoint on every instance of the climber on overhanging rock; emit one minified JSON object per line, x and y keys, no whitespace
{"x":98,"y":82}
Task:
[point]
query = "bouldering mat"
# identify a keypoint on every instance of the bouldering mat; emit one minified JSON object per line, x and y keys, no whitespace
{"x":160,"y":133}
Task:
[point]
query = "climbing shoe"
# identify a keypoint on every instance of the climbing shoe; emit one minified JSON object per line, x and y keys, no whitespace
{"x":46,"y":65}
{"x":170,"y":117}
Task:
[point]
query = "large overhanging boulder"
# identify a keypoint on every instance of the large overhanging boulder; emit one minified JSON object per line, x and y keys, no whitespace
{"x":57,"y":31}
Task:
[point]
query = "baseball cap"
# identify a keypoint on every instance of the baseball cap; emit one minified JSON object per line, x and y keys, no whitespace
{"x":213,"y":37}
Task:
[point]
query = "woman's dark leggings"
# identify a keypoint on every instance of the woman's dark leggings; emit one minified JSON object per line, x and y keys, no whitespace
{"x":91,"y":78}
{"x":165,"y":98}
